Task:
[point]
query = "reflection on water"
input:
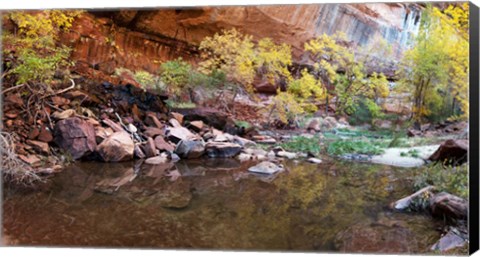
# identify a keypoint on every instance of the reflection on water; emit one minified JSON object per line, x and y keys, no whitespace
{"x":217,"y":204}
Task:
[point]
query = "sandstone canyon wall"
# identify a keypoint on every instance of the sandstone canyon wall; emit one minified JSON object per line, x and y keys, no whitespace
{"x":142,"y":39}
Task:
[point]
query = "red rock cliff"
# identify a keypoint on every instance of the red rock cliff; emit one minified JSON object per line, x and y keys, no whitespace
{"x":141,"y":39}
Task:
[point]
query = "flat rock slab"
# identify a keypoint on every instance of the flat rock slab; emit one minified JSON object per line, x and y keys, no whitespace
{"x":266,"y":167}
{"x":222,"y":149}
{"x":314,"y":160}
{"x":392,"y":156}
{"x":156,"y":160}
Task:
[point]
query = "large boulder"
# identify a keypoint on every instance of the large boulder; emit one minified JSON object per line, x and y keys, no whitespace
{"x":264,"y":86}
{"x":447,"y":205}
{"x":210,"y":116}
{"x":117,"y":147}
{"x":314,"y":125}
{"x":175,"y":135}
{"x":222,"y":149}
{"x":190,"y":149}
{"x":454,"y":152}
{"x":329,"y":123}
{"x":75,"y":136}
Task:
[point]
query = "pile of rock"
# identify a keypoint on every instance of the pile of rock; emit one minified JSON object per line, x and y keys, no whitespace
{"x":446,"y":128}
{"x":325,"y":124}
{"x":121,"y":123}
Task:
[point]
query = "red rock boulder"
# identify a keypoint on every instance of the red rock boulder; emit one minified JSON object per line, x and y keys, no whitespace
{"x":75,"y":136}
{"x":117,"y":147}
{"x":454,"y":152}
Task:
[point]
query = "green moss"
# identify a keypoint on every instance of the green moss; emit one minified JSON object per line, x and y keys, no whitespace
{"x":411,"y":153}
{"x":342,"y":147}
{"x":181,"y":105}
{"x":243,"y":124}
{"x":303,"y":144}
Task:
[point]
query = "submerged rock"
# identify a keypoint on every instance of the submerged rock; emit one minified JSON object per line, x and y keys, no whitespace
{"x":386,"y":235}
{"x":266,"y":167}
{"x":451,"y":240}
{"x":175,"y":195}
{"x":110,"y":185}
{"x":117,"y":147}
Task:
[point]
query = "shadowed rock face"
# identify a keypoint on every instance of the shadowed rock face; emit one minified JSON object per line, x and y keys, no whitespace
{"x":141,"y":39}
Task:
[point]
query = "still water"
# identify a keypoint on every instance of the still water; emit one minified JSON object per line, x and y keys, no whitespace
{"x":216,"y":204}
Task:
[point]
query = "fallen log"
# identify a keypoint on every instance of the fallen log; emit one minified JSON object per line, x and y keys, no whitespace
{"x":406,"y":202}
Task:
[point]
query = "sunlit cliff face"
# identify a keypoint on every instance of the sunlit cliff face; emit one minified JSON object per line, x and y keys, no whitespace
{"x":141,"y":39}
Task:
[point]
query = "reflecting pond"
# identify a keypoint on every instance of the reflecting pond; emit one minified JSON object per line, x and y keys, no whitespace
{"x":216,"y":204}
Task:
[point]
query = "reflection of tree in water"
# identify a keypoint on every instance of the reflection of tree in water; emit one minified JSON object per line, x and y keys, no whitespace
{"x":302,"y":209}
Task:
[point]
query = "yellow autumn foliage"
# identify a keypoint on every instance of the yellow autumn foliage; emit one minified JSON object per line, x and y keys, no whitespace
{"x":436,"y":69}
{"x":35,"y":43}
{"x":354,"y":84}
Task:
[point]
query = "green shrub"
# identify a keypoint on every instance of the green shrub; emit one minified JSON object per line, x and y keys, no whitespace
{"x":215,"y":80}
{"x":303,"y":144}
{"x":365,"y":113}
{"x":450,"y":179}
{"x":176,"y":74}
{"x":145,"y":79}
{"x":36,"y":68}
{"x":243,"y":124}
{"x":35,"y":44}
{"x":342,"y":147}
{"x":180,"y":105}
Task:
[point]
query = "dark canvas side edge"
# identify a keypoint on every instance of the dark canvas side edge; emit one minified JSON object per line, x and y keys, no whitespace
{"x":474,"y":129}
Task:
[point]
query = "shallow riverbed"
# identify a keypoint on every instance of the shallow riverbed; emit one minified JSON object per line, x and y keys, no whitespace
{"x":217,"y":204}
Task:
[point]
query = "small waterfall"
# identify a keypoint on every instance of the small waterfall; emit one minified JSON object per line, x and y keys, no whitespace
{"x":410,"y":28}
